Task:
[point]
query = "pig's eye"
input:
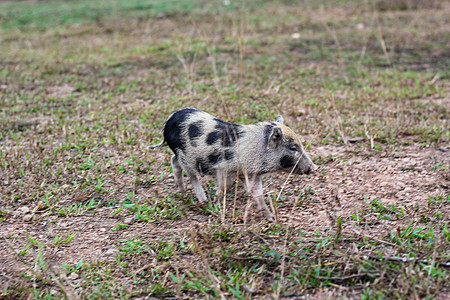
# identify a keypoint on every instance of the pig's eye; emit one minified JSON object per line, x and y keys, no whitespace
{"x":293,"y":148}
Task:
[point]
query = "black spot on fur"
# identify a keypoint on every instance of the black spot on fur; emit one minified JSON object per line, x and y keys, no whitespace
{"x":213,"y":137}
{"x":195,"y":130}
{"x":214,"y":158}
{"x":229,"y":137}
{"x":287,"y":162}
{"x":229,"y":133}
{"x":228,"y":154}
{"x":203,"y":167}
{"x":174,"y":126}
{"x":220,"y":122}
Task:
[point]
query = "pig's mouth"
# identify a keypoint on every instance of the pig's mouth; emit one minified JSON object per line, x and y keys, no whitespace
{"x":308,"y":170}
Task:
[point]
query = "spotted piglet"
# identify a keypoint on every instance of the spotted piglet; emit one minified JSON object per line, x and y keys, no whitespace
{"x":205,"y":145}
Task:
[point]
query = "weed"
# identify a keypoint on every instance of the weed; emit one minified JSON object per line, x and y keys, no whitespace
{"x":407,"y":235}
{"x":438,"y":200}
{"x":305,"y":196}
{"x":119,"y":226}
{"x":439,"y":166}
{"x":386,"y":212}
{"x":164,"y":249}
{"x":357,"y":217}
{"x":133,"y":246}
{"x":153,"y":209}
{"x":73,"y":268}
{"x":79,"y":208}
{"x":60,"y":241}
{"x":339,"y":229}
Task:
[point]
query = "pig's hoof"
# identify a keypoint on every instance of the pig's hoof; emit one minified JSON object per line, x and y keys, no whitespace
{"x":202,"y":201}
{"x":218,"y":200}
{"x":270,"y":218}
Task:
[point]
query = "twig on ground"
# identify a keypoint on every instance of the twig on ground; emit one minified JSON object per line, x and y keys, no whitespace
{"x":207,"y":267}
{"x":409,"y":259}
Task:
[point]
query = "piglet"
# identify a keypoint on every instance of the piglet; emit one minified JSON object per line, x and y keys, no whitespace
{"x":205,"y":145}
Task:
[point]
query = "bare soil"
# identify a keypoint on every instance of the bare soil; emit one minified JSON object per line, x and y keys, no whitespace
{"x":349,"y":177}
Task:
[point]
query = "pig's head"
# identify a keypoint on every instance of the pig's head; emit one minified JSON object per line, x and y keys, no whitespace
{"x":285,"y":150}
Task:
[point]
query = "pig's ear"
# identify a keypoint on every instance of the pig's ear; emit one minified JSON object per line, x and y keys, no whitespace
{"x":279,"y":119}
{"x":276,"y":136}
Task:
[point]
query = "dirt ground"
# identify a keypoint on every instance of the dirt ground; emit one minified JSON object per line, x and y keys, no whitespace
{"x":88,"y":212}
{"x":349,"y":177}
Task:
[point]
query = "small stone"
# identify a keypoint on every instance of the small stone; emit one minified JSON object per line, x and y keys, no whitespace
{"x":248,"y":289}
{"x":129,"y":220}
{"x":400,"y":185}
{"x":24,"y":210}
{"x":160,"y":15}
{"x":300,"y":111}
{"x":355,"y":139}
{"x":110,"y":252}
{"x":384,"y":183}
{"x":27,"y":218}
{"x":399,"y":155}
{"x":74,"y":276}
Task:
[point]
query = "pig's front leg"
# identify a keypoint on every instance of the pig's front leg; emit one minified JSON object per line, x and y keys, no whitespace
{"x":255,"y":189}
{"x":177,"y":173}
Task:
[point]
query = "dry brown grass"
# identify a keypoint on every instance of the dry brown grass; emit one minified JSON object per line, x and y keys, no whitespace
{"x":87,"y":212}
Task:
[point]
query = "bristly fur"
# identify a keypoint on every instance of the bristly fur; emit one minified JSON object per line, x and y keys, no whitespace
{"x":205,"y":145}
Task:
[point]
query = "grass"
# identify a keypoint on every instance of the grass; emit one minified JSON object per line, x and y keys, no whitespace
{"x":87,"y":211}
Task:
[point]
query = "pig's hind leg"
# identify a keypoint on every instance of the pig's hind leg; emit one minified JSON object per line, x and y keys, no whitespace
{"x":194,"y":178}
{"x":178,"y":173}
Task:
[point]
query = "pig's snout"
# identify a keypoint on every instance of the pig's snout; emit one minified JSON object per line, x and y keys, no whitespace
{"x":311,"y":169}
